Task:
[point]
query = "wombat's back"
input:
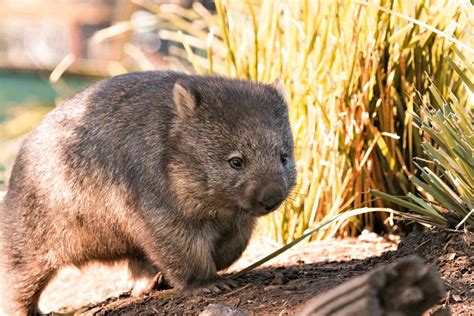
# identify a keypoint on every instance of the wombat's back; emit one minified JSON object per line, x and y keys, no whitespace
{"x":84,"y":163}
{"x":76,"y":177}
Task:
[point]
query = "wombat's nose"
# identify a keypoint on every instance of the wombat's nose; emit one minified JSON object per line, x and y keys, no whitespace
{"x":271,"y":196}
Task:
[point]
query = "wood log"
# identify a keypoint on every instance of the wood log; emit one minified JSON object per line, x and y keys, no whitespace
{"x":406,"y":287}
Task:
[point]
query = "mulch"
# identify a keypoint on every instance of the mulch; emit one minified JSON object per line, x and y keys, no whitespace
{"x":283,"y":285}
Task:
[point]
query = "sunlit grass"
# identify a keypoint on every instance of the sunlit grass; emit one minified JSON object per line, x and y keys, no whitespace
{"x":352,"y":70}
{"x":445,"y":181}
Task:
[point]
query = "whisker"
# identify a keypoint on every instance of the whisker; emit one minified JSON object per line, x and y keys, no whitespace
{"x":298,"y":193}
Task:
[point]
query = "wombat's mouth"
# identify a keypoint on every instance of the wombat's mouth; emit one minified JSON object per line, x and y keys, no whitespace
{"x":259,"y":210}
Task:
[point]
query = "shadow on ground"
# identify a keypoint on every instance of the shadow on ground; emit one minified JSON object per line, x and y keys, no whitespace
{"x":282,"y":289}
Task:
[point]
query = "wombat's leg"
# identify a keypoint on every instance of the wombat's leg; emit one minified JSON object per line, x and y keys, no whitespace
{"x":26,"y":281}
{"x":188,"y":264}
{"x":228,"y":252}
{"x":144,"y":275}
{"x":231,"y":246}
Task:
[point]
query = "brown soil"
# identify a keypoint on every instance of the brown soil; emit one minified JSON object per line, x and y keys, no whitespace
{"x":281,"y":288}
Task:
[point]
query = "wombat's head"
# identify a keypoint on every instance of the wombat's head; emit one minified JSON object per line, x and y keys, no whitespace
{"x":233,"y":146}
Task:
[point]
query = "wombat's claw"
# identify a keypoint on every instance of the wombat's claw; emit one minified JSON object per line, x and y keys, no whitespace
{"x":217,"y":286}
{"x":229,"y":284}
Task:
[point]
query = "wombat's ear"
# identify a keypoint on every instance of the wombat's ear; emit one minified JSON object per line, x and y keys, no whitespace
{"x":278,"y":86}
{"x":184,"y":100}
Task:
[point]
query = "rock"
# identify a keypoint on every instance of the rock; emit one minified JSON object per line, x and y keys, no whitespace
{"x":279,"y":279}
{"x":406,"y":287}
{"x":222,"y":310}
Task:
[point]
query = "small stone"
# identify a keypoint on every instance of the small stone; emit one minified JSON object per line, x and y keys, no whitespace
{"x":235,"y":302}
{"x":279,"y":279}
{"x":442,"y":312}
{"x":457,"y":298}
{"x":272,"y":287}
{"x":451,"y":256}
{"x":224,"y":310}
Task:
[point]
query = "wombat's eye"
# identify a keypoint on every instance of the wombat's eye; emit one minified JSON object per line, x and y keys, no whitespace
{"x":284,"y":158}
{"x":236,"y":163}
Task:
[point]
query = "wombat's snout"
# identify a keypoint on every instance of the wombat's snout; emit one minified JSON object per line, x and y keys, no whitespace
{"x":261,"y":200}
{"x":271,"y":196}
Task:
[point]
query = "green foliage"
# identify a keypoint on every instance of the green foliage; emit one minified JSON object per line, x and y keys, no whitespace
{"x":448,"y":143}
{"x":2,"y":175}
{"x":2,"y":182}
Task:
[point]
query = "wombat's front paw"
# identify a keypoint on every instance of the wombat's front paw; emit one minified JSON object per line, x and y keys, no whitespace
{"x":216,"y":286}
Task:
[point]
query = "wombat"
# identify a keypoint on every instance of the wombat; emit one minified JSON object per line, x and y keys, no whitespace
{"x":164,"y":169}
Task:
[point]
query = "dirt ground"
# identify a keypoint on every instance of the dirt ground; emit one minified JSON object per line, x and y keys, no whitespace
{"x":282,"y":285}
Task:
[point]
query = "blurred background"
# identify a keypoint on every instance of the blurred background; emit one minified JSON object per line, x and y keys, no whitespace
{"x":362,"y":77}
{"x":39,"y":36}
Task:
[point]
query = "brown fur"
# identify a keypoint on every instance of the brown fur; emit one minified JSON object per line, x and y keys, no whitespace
{"x":138,"y":167}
